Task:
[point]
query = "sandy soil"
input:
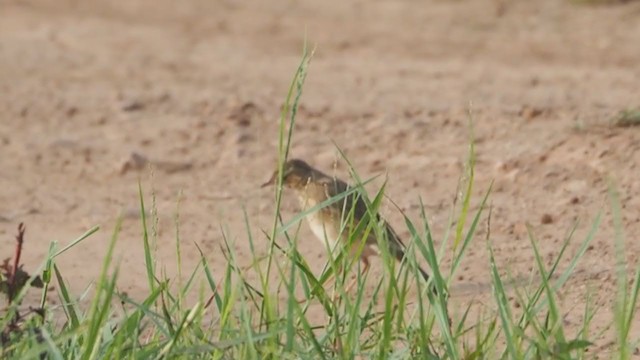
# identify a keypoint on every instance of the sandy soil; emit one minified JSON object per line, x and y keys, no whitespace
{"x":92,"y":89}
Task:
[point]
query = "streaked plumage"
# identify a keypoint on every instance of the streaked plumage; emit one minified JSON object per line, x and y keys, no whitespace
{"x":313,"y":187}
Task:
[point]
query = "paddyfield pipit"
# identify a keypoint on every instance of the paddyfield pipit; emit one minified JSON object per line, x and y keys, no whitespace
{"x":333,"y":224}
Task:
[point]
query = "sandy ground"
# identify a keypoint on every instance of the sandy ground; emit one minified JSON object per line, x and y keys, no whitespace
{"x":195,"y":87}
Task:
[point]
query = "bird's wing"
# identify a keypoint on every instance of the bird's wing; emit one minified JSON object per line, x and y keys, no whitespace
{"x":355,"y":201}
{"x":334,"y":187}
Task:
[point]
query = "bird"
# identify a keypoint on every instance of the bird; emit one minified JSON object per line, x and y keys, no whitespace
{"x":333,"y":223}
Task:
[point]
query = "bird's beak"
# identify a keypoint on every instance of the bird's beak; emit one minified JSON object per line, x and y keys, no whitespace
{"x":271,"y":181}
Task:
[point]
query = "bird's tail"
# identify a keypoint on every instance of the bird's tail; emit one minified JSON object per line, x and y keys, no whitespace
{"x":397,"y":250}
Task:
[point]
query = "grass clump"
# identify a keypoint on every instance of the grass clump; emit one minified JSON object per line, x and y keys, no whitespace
{"x":232,"y":317}
{"x":627,"y":118}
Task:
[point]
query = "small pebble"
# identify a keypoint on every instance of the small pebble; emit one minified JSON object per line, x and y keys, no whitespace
{"x":546,"y":219}
{"x":134,"y":161}
{"x":134,"y":105}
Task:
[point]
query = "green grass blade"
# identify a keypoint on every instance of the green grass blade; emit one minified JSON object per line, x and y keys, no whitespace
{"x":148,"y":258}
{"x":553,"y":311}
{"x":68,"y":304}
{"x":466,"y":201}
{"x":75,"y":242}
{"x":504,"y":309}
{"x":459,"y":255}
{"x":101,"y":302}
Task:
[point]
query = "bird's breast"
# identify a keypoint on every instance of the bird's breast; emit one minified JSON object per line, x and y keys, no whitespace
{"x":321,"y":222}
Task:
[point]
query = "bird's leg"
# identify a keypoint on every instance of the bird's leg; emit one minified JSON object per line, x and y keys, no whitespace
{"x":332,"y":277}
{"x":365,"y":269}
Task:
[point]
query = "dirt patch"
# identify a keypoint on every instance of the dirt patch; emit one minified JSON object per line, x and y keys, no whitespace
{"x":94,"y":93}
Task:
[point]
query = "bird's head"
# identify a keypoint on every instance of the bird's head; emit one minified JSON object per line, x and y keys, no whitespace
{"x":296,"y":174}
